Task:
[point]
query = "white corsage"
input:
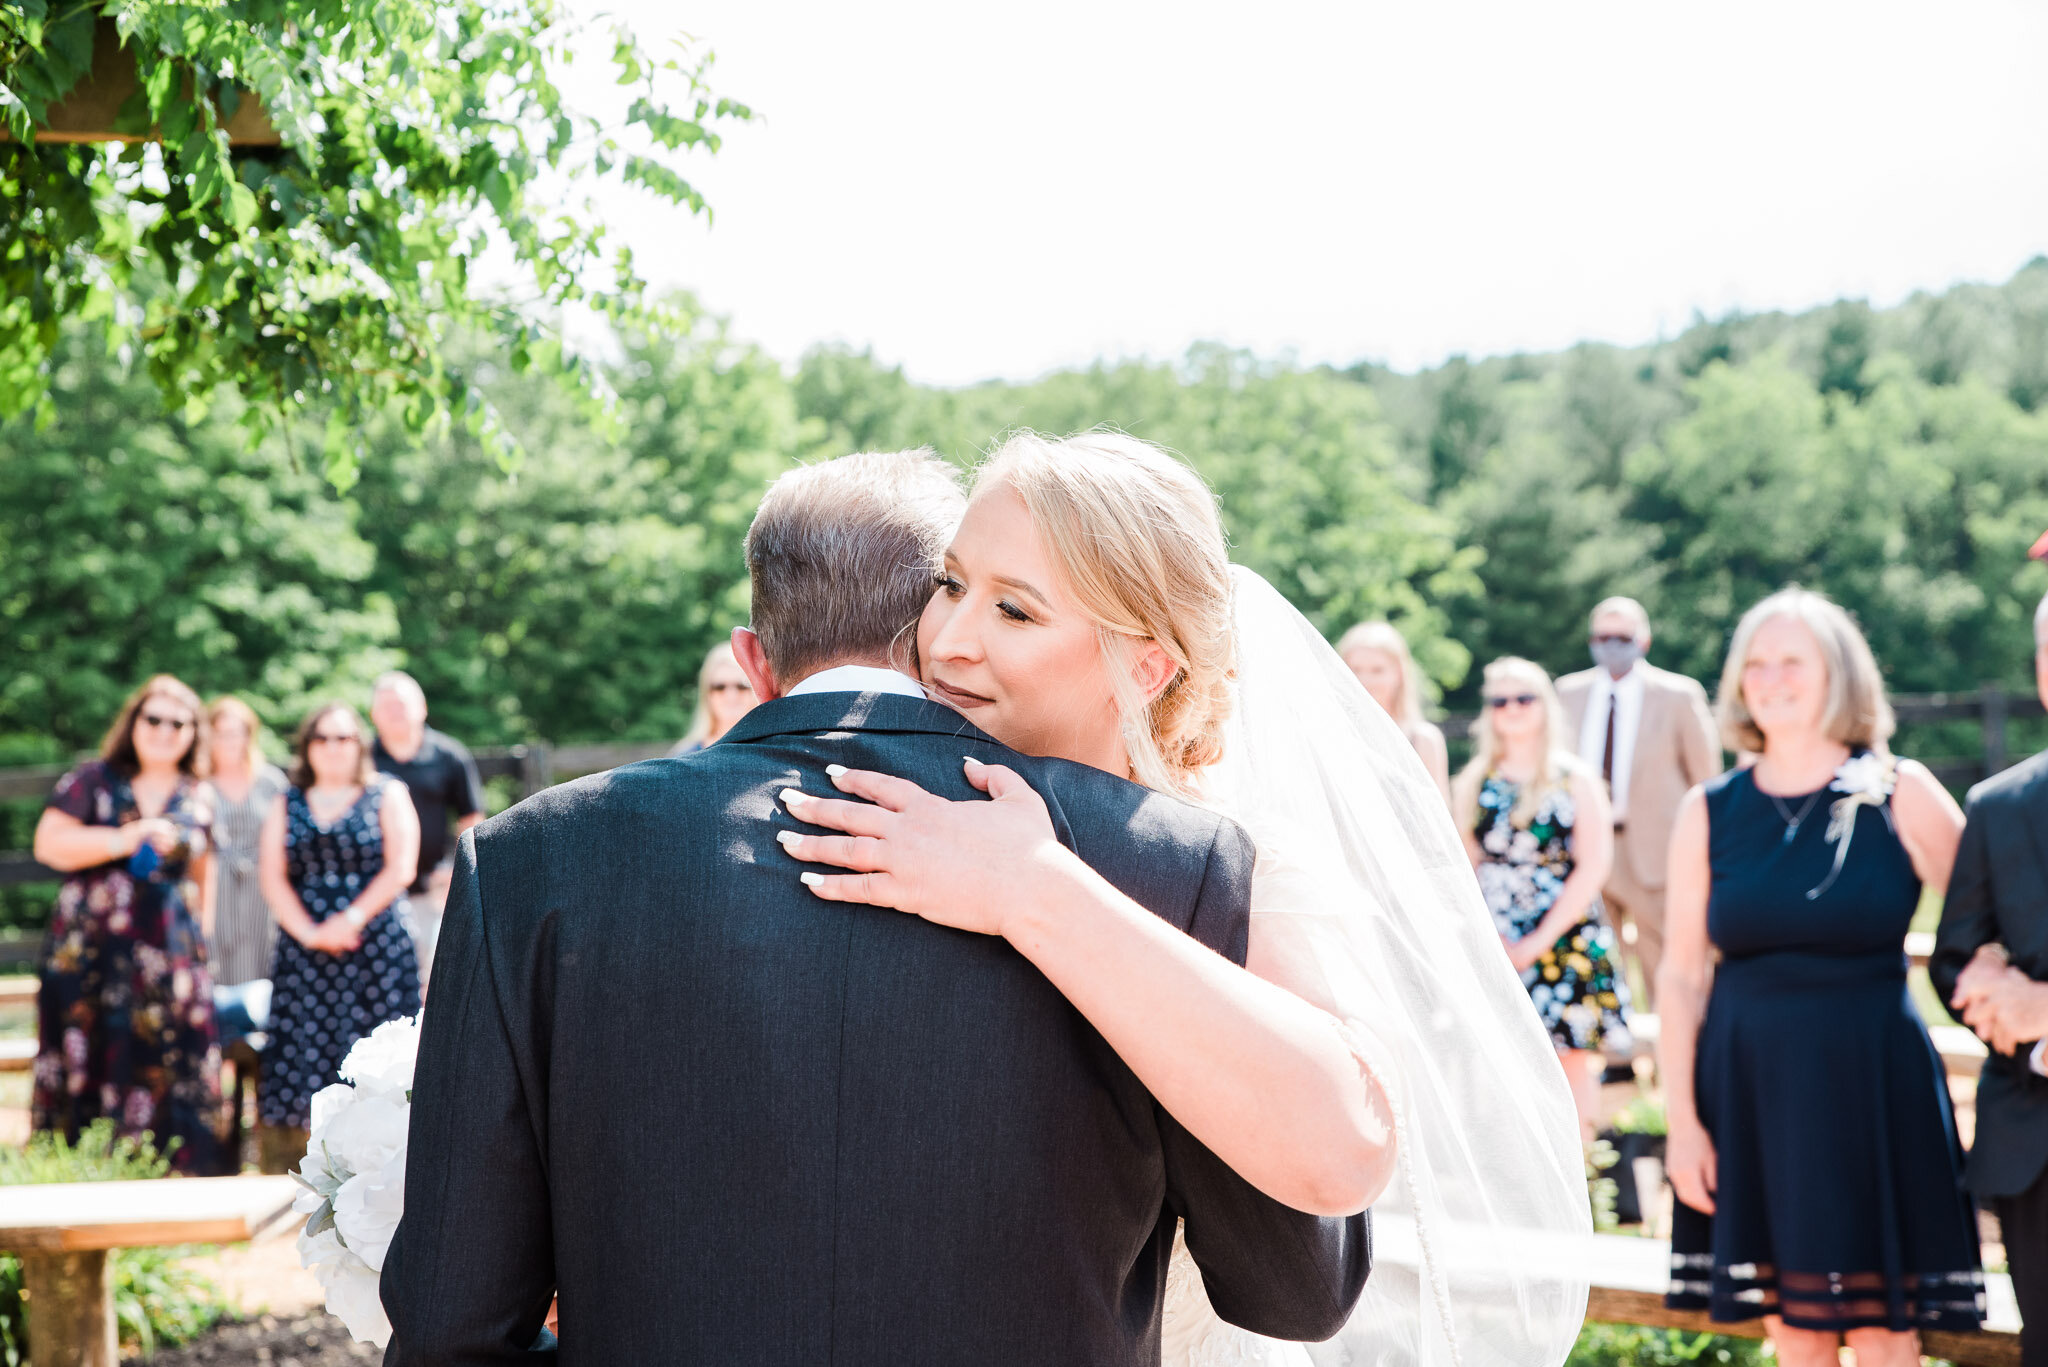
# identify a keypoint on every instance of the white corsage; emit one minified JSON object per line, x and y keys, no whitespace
{"x":354,"y":1175}
{"x":1864,"y":780}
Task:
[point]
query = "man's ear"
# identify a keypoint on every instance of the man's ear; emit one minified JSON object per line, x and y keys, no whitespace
{"x":1152,"y":669}
{"x":753,"y":662}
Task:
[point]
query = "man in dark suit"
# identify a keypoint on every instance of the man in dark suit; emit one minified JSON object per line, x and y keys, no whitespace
{"x":1990,"y":963}
{"x":732,"y":1123}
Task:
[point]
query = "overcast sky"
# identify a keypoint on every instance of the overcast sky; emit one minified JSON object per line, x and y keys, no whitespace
{"x":978,"y":190}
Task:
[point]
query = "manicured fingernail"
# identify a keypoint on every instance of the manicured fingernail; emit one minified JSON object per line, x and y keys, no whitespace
{"x":811,"y":880}
{"x":970,"y":759}
{"x":792,"y":794}
{"x":835,"y":770}
{"x":788,"y":838}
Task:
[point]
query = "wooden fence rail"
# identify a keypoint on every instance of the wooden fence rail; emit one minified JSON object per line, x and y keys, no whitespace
{"x":537,"y":766}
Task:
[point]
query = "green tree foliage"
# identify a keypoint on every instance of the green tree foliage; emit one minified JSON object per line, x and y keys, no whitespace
{"x":324,"y":273}
{"x":133,"y":542}
{"x":572,"y":600}
{"x":576,"y":600}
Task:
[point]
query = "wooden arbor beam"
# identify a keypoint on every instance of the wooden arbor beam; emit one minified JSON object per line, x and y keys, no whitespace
{"x":91,"y":110}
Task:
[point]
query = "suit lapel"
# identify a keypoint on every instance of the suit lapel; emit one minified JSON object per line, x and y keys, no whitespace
{"x":2035,"y":801}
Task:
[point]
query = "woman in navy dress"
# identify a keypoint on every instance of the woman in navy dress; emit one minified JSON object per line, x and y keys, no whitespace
{"x":336,"y":856}
{"x":1812,"y":1147}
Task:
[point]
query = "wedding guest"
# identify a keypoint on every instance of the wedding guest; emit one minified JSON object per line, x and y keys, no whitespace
{"x":1379,"y":656}
{"x":1649,"y":735}
{"x":1536,"y":826}
{"x":723,"y":697}
{"x":338,"y":851}
{"x":1990,"y":963}
{"x":240,"y":933}
{"x":440,"y":776}
{"x":1811,"y":1144}
{"x":125,"y":1026}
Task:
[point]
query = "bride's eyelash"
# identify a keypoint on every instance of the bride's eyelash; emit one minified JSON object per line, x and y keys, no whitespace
{"x":1013,"y":612}
{"x":953,"y":587}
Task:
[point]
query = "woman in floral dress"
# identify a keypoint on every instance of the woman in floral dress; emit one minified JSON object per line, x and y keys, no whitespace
{"x":126,"y":1027}
{"x":1541,"y":835}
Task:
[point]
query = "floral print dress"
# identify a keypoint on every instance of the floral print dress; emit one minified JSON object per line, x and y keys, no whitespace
{"x":1575,"y":985}
{"x":125,"y":1013}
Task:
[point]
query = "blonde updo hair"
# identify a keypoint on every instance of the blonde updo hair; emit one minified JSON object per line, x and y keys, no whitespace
{"x":1137,"y":537}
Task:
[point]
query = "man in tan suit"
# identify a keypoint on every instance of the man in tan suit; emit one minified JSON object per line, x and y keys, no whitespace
{"x":1649,"y":734}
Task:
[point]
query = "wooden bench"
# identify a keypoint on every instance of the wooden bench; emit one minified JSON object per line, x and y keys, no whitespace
{"x":62,"y":1231}
{"x":1629,"y":1278}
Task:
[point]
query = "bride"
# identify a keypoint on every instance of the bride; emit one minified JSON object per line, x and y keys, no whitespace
{"x":1378,"y":1048}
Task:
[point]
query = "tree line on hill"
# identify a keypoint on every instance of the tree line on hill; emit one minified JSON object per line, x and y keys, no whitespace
{"x":1896,"y":458}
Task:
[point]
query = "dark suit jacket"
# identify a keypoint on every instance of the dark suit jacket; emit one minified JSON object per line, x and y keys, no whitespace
{"x":736,"y":1124}
{"x":2000,"y":892}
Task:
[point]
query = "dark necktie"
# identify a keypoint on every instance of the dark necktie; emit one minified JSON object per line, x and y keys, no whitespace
{"x":1607,"y":755}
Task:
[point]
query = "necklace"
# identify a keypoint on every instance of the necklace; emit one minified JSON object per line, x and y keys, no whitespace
{"x":1791,"y":821}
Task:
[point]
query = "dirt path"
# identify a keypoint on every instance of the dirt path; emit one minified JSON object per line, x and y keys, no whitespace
{"x":317,"y":1340}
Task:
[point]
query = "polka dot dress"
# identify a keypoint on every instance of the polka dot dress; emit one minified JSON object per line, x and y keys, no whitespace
{"x":321,"y":1004}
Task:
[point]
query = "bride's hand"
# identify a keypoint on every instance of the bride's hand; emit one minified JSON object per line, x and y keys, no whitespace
{"x":960,"y":864}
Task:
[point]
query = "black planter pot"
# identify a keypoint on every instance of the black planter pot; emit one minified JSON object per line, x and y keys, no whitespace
{"x":1628,"y":1202}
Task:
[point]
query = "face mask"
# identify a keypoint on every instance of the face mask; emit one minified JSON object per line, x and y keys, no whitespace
{"x":1616,"y":657}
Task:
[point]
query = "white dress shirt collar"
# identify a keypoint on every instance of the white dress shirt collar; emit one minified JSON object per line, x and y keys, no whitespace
{"x":858,"y":679}
{"x":1625,"y":697}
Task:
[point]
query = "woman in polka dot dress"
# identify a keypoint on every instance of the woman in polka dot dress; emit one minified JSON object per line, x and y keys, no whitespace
{"x":337,"y":854}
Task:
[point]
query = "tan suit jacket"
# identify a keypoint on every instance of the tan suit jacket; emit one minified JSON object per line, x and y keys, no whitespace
{"x":1677,"y":745}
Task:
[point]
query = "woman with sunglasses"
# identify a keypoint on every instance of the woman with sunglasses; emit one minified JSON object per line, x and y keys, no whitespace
{"x":337,"y":853}
{"x":1540,"y":834}
{"x":126,"y":1028}
{"x":723,"y":697}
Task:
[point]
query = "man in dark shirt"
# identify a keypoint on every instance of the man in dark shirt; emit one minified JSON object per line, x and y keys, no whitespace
{"x":441,"y":776}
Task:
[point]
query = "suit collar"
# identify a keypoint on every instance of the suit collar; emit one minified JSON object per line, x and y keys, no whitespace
{"x":808,"y":713}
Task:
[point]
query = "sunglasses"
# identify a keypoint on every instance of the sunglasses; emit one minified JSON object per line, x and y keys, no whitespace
{"x":334,"y":738}
{"x":158,"y":720}
{"x":1501,"y":700}
{"x":730,"y":688}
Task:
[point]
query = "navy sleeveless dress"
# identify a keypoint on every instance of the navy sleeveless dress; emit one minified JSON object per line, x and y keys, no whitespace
{"x":321,"y":1003}
{"x":1840,"y":1202}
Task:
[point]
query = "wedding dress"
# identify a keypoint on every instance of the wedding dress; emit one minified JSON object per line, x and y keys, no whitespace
{"x":1363,"y":891}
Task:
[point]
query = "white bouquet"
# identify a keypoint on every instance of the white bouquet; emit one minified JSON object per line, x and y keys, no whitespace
{"x":354,"y":1175}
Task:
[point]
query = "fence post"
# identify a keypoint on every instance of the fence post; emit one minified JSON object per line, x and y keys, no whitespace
{"x":1992,"y":697}
{"x":535,"y":773}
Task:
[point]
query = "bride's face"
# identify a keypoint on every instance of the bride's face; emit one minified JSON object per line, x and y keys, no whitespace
{"x":1003,"y":642}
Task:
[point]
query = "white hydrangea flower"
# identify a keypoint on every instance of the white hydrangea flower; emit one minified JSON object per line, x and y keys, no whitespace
{"x":366,"y":1210}
{"x":381,"y":1063}
{"x":354,"y":1175}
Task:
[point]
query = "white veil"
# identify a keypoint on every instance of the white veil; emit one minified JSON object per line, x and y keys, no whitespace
{"x":1363,"y":885}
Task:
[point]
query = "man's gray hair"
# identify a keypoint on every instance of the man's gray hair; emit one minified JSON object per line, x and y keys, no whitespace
{"x":399,"y":682}
{"x":1627,"y":607}
{"x":2041,"y":622}
{"x":844,"y":555}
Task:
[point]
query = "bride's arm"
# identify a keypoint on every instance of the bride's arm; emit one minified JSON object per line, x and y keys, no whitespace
{"x":1267,"y":1081}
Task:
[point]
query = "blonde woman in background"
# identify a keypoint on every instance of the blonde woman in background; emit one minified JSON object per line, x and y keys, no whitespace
{"x":1538,"y":829}
{"x":1812,"y":1149}
{"x":1379,"y":656}
{"x":723,"y":697}
{"x":240,"y":933}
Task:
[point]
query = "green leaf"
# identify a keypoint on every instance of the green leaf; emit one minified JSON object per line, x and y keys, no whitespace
{"x":241,"y":206}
